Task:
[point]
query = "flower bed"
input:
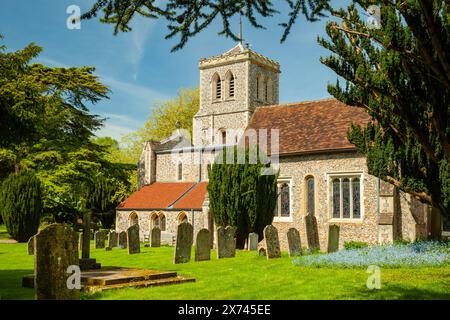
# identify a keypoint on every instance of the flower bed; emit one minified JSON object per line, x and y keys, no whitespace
{"x":419,"y":254}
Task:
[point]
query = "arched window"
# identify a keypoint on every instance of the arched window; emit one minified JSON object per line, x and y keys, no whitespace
{"x":182,"y":217}
{"x":223,"y":134}
{"x":180,"y":171}
{"x":268,"y":90}
{"x":336,"y":198}
{"x":259,"y":87}
{"x":217,"y":87}
{"x":346,"y":197}
{"x":208,"y":170}
{"x":155,"y":220}
{"x":310,"y":195}
{"x":162,"y":222}
{"x":134,"y":219}
{"x":230,"y":84}
{"x":284,"y":200}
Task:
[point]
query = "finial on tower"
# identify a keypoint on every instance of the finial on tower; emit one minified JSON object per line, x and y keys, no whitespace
{"x":241,"y":37}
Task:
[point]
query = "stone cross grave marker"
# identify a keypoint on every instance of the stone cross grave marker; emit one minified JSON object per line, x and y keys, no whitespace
{"x":123,"y":240}
{"x":183,"y":245}
{"x":55,"y":250}
{"x":226,"y":242}
{"x":86,"y":239}
{"x":333,"y":238}
{"x":272,"y":242}
{"x":294,"y":243}
{"x":253,"y":240}
{"x":203,"y":245}
{"x":134,"y":244}
{"x":155,"y":237}
{"x":99,"y":239}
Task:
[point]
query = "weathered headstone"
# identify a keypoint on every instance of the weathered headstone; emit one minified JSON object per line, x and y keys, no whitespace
{"x":134,"y":244}
{"x":203,"y":245}
{"x":272,"y":242}
{"x":155,"y":239}
{"x":312,"y":232}
{"x":55,"y":250}
{"x":294,"y":243}
{"x":183,"y":245}
{"x":112,"y":239}
{"x":226,"y":242}
{"x":333,"y":238}
{"x":262,"y":252}
{"x":99,"y":239}
{"x":253,"y":240}
{"x":31,"y":246}
{"x":123,"y":239}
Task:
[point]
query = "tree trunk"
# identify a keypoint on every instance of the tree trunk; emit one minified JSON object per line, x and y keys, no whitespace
{"x":436,"y":224}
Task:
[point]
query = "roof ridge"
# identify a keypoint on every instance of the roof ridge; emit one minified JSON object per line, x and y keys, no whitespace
{"x":291,"y":104}
{"x":182,"y":196}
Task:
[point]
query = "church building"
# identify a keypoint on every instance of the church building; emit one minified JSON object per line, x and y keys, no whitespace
{"x":321,"y":173}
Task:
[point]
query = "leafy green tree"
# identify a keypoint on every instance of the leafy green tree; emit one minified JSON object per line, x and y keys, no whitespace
{"x":163,"y":119}
{"x":21,"y":205}
{"x":240,"y":195}
{"x":46,"y":126}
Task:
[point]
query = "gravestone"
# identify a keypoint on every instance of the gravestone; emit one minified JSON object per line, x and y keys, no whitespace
{"x":262,"y":252}
{"x":55,"y":250}
{"x":203,"y":245}
{"x":312,"y":233}
{"x":253,"y":241}
{"x":31,"y":246}
{"x":226,"y":242}
{"x":155,"y":239}
{"x":123,"y":240}
{"x":183,"y":245}
{"x":272,"y":242}
{"x":333,"y":238}
{"x":99,"y":239}
{"x":112,"y":239}
{"x":134,"y":244}
{"x":294,"y":243}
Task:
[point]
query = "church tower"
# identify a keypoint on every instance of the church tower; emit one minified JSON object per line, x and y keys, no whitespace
{"x":232,"y":85}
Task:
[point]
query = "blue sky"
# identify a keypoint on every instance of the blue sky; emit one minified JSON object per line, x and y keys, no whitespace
{"x":139,"y":67}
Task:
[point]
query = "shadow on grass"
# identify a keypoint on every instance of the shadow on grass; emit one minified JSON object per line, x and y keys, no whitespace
{"x":11,"y":285}
{"x":398,"y":292}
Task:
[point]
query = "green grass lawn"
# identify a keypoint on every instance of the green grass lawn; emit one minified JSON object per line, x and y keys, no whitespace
{"x":247,"y":276}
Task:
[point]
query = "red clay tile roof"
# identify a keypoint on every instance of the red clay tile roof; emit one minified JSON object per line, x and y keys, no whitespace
{"x":194,"y":198}
{"x":162,"y":195}
{"x":310,"y":126}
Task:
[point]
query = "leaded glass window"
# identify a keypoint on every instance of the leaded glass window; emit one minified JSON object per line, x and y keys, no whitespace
{"x":285,"y":201}
{"x":336,"y":198}
{"x":180,"y":171}
{"x":162,"y":220}
{"x":356,"y":198}
{"x":346,"y":198}
{"x":310,"y":195}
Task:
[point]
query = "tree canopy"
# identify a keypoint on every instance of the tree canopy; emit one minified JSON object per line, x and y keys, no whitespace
{"x":188,"y":18}
{"x":46,"y":126}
